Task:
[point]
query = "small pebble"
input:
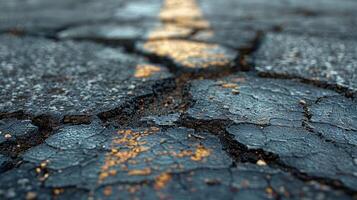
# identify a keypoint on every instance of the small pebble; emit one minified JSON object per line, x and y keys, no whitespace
{"x":235,"y":91}
{"x":261,"y":163}
{"x":302,"y":102}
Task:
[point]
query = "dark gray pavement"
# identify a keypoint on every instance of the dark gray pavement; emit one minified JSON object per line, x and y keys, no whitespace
{"x":178,"y":99}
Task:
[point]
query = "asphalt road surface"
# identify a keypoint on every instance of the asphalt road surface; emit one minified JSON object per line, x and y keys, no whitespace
{"x":178,"y":99}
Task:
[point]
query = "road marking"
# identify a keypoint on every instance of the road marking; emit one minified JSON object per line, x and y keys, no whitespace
{"x":180,"y":18}
{"x":146,"y":70}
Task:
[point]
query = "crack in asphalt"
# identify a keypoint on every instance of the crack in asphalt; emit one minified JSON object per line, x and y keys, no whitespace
{"x":172,"y":96}
{"x":129,"y":114}
{"x":348,"y":93}
{"x":241,"y":154}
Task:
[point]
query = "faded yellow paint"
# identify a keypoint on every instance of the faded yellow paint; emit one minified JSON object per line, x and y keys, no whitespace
{"x":129,"y":144}
{"x":230,"y":85}
{"x":201,"y":153}
{"x":143,"y":71}
{"x":140,"y":172}
{"x":130,"y":140}
{"x":170,"y":31}
{"x":188,"y":53}
{"x":183,"y":13}
{"x":180,"y":18}
{"x":162,"y":180}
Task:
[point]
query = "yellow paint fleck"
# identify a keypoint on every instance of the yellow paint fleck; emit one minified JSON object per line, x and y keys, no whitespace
{"x":162,"y":180}
{"x":200,"y":153}
{"x":230,"y":85}
{"x":140,"y":172}
{"x":183,"y":153}
{"x":233,"y":86}
{"x":144,"y":71}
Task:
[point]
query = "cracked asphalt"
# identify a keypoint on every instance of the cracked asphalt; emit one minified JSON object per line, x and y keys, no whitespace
{"x":178,"y":99}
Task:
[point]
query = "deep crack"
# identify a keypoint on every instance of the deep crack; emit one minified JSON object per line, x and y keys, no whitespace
{"x":241,"y":154}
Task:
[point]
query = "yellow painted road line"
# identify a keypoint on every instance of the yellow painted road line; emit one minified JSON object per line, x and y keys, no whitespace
{"x":179,"y":18}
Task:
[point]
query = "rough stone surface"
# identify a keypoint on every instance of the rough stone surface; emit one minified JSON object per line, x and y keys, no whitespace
{"x":302,"y":150}
{"x":110,"y":31}
{"x":236,"y":38}
{"x":318,"y":17}
{"x":269,"y":114}
{"x":41,"y":16}
{"x":326,"y":60}
{"x":90,"y":157}
{"x":245,"y":181}
{"x":165,"y":120}
{"x":246,"y":99}
{"x":335,"y":111}
{"x":70,"y":78}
